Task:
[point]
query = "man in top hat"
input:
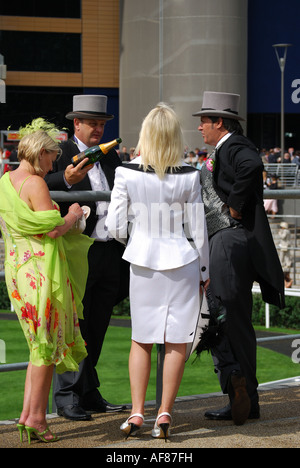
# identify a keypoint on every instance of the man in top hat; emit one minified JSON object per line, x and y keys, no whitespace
{"x":77,"y":394}
{"x":242,"y":249}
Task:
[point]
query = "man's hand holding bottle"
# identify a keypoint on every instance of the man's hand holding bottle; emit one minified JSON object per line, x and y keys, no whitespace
{"x":76,"y":174}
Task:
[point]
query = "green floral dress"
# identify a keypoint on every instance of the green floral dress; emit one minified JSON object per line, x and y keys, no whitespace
{"x":45,"y":280}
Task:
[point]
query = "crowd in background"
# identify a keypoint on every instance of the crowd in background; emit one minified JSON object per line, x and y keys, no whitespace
{"x":198,"y":156}
{"x":273,"y":156}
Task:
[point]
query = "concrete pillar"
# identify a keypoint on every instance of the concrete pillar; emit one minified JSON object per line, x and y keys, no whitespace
{"x":173,"y":51}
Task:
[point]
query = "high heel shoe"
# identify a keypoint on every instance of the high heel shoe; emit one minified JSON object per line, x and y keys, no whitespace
{"x":40,"y":435}
{"x":21,"y":429}
{"x":130,"y":429}
{"x":162,"y":431}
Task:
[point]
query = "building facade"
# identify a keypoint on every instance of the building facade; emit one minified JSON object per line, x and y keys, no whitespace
{"x":55,"y":50}
{"x":184,"y":48}
{"x":273,"y":22}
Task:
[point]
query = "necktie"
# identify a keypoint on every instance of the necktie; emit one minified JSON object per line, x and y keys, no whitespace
{"x":103,"y":181}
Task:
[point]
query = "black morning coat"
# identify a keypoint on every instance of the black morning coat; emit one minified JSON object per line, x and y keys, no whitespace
{"x":239,"y":183}
{"x":55,"y":182}
{"x":55,"y":179}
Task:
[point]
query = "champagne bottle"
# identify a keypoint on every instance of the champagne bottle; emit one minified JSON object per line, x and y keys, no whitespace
{"x":95,"y":153}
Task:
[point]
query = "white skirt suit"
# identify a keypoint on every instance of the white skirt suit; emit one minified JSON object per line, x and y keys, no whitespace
{"x":166,"y":269}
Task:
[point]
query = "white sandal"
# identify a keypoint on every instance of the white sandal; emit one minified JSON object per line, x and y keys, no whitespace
{"x":130,"y":429}
{"x":161,"y":431}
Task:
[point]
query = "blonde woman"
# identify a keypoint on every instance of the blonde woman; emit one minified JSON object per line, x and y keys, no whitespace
{"x":40,"y":272}
{"x":157,"y":195}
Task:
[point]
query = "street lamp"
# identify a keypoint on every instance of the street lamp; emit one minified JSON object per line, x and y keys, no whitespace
{"x":281,"y":57}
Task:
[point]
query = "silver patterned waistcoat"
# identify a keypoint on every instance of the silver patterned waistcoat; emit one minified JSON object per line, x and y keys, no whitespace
{"x":216,"y":212}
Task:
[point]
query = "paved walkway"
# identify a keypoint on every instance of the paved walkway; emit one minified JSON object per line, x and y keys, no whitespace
{"x":278,"y":427}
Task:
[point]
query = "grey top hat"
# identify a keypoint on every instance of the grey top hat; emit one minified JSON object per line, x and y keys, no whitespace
{"x":89,"y":106}
{"x":220,"y":105}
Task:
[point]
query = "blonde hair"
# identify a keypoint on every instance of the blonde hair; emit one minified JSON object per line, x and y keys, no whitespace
{"x":35,"y":137}
{"x":161,"y":140}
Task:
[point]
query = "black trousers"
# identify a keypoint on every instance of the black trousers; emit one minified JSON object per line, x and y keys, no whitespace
{"x":73,"y":388}
{"x":232,"y":275}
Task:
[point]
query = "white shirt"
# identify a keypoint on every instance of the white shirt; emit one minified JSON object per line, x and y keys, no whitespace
{"x":223,"y":139}
{"x":98,"y":183}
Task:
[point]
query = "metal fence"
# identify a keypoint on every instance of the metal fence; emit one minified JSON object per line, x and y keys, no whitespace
{"x":288,"y":174}
{"x":6,"y":162}
{"x":80,"y":197}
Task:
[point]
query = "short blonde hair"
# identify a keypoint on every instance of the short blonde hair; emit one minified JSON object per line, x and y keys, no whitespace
{"x":31,"y":145}
{"x":37,"y":136}
{"x":161,"y":140}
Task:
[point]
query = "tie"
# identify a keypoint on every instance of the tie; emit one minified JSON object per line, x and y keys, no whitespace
{"x":100,"y":184}
{"x":103,"y":181}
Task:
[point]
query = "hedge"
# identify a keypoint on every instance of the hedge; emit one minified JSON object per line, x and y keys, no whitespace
{"x":289,"y":317}
{"x":285,"y":318}
{"x":4,"y":300}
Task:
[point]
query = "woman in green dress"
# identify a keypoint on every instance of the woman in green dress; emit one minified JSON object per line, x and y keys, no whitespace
{"x":45,"y":271}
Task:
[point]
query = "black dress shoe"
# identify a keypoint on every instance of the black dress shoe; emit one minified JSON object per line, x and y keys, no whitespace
{"x":224,"y":414}
{"x":74,"y":413}
{"x":103,"y":406}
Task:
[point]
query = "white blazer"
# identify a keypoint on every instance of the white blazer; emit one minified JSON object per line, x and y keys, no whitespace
{"x":159,"y":216}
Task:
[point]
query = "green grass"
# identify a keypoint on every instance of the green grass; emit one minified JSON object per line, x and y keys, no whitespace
{"x":199,"y":376}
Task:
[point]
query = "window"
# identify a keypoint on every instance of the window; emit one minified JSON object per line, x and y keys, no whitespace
{"x":41,"y":52}
{"x":52,"y":9}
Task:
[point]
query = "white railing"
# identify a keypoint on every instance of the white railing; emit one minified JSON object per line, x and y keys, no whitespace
{"x":288,"y":292}
{"x":288,"y":174}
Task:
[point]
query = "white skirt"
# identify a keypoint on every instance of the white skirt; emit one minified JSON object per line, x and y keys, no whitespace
{"x":164,"y":304}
